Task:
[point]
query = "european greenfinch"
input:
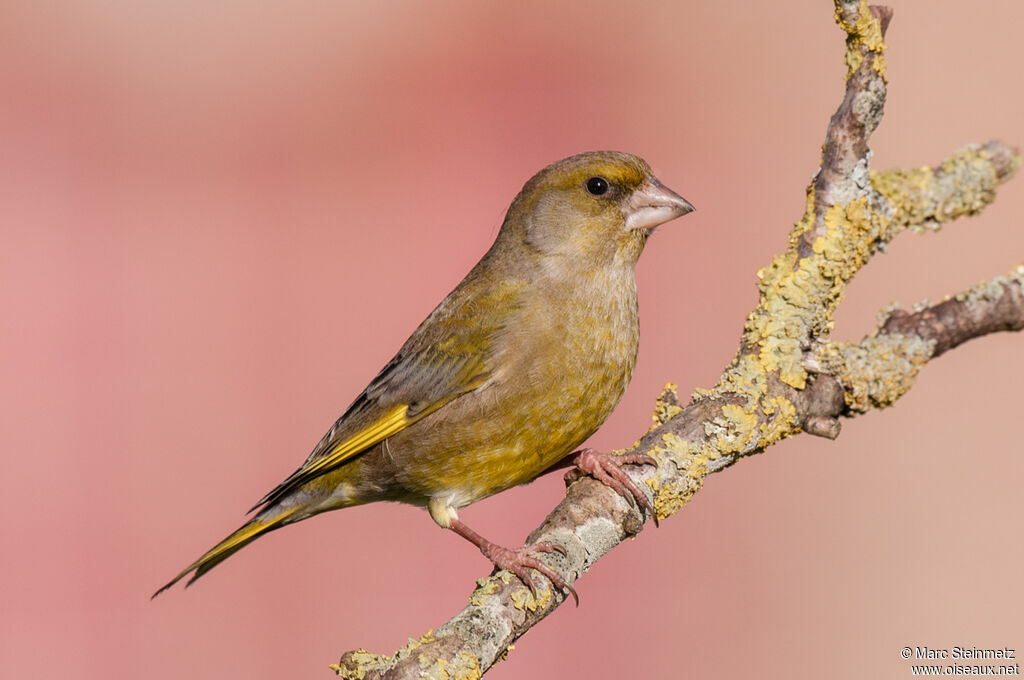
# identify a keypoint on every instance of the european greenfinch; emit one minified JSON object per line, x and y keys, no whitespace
{"x":507,"y":376}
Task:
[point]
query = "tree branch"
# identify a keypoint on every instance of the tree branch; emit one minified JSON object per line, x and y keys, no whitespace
{"x":787,"y":377}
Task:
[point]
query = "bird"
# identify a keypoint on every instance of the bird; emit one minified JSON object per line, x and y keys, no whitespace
{"x":512,"y":371}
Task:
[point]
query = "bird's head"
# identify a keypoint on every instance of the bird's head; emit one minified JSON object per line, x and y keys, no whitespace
{"x":596,"y":207}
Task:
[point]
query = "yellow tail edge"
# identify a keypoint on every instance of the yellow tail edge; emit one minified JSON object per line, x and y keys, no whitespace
{"x":241,"y":537}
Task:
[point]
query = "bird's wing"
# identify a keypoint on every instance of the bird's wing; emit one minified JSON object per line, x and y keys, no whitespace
{"x":445,"y":358}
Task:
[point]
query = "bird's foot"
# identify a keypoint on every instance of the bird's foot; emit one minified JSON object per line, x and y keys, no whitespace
{"x":518,"y":561}
{"x":607,"y":469}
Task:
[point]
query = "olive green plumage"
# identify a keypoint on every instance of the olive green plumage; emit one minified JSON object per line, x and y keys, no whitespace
{"x":514,"y":369}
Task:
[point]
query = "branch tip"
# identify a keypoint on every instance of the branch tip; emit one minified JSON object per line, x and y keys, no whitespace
{"x":821,"y":426}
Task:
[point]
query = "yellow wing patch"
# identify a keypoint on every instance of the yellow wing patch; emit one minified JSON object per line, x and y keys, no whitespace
{"x":390,"y":423}
{"x":421,"y":383}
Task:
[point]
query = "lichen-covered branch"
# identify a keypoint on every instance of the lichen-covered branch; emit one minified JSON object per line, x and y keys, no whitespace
{"x":787,"y":377}
{"x":878,"y":370}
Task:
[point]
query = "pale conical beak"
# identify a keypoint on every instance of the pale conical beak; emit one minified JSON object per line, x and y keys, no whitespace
{"x":652,"y":204}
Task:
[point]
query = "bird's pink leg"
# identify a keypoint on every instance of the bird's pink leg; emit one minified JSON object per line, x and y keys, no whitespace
{"x":607,"y":469}
{"x":517,"y":561}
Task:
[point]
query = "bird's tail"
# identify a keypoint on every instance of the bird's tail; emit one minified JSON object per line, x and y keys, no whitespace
{"x":245,"y":534}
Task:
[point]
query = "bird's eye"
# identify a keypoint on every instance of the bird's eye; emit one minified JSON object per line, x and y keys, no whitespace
{"x":597,"y":186}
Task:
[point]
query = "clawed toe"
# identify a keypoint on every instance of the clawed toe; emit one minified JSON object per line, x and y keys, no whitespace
{"x":608,"y":470}
{"x":544,"y":546}
{"x":520,"y":560}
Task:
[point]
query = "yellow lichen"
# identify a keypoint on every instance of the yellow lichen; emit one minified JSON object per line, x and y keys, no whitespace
{"x":863,"y":36}
{"x":667,"y":405}
{"x":465,"y":666}
{"x":679,"y":448}
{"x":879,"y":64}
{"x":523,"y":599}
{"x":485,"y":587}
{"x":964,"y":184}
{"x":671,"y":498}
{"x":878,"y":370}
{"x":746,"y":376}
{"x":733,"y":431}
{"x":852,"y":59}
{"x":806,"y":222}
{"x":783,"y":422}
{"x":364,"y":662}
{"x":798,"y":295}
{"x":690,"y":460}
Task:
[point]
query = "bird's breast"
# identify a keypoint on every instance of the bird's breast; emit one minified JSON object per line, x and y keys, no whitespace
{"x":559,"y":367}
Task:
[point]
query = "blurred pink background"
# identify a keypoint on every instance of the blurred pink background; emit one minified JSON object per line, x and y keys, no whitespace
{"x":217,"y":221}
